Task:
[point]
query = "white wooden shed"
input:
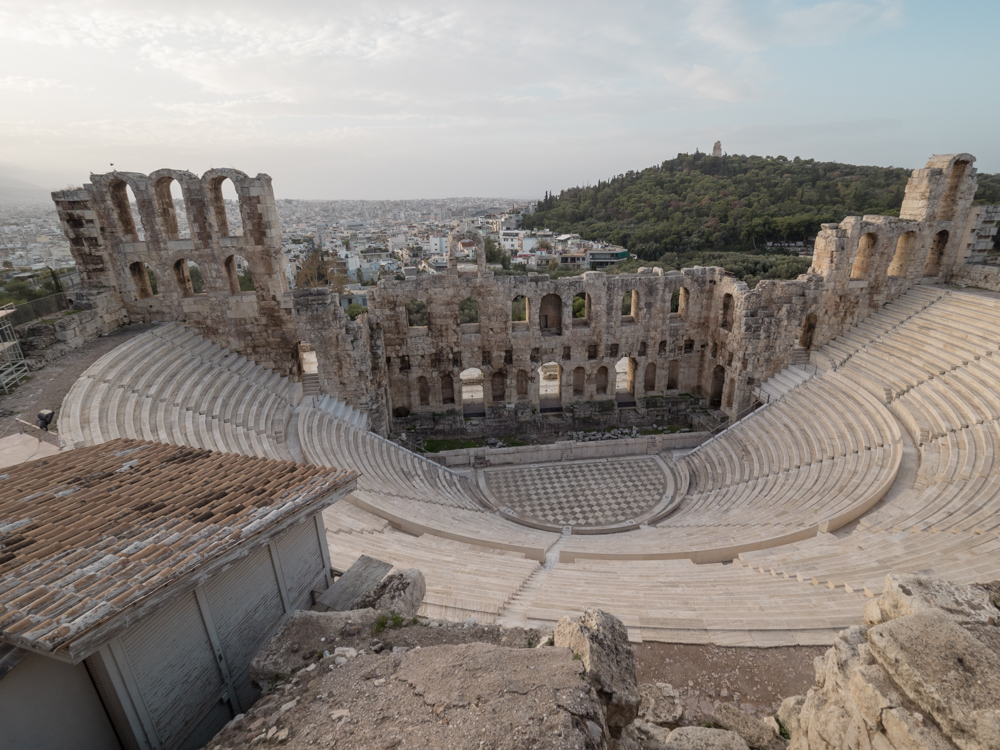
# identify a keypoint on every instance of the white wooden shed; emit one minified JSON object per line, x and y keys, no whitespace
{"x":138,"y":580}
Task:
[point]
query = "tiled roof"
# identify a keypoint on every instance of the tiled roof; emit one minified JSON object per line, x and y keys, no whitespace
{"x":88,"y":533}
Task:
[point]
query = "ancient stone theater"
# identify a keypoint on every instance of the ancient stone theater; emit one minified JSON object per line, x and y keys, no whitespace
{"x":860,"y":400}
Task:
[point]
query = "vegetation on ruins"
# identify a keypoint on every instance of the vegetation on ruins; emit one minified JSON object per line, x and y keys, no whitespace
{"x":316,"y":271}
{"x":354,"y":310}
{"x":748,"y":267}
{"x":733,"y":203}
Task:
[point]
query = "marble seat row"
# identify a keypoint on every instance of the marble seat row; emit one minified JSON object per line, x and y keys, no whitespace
{"x":463,"y":580}
{"x":170,"y":385}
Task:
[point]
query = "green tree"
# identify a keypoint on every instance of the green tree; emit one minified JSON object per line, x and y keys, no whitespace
{"x":354,"y":310}
{"x":246,"y":280}
{"x":496,"y":254}
{"x":197,"y":280}
{"x":468,"y":311}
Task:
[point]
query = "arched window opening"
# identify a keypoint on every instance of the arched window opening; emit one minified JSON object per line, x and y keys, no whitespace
{"x":447,"y":389}
{"x":550,"y":387}
{"x":642,"y":349}
{"x":416,"y":314}
{"x":144,"y":280}
{"x":662,"y":348}
{"x":424,"y":391}
{"x":649,"y":378}
{"x":807,"y":332}
{"x":630,"y":306}
{"x":718,"y":383}
{"x":581,"y":309}
{"x":522,"y":384}
{"x":673,"y":375}
{"x":498,"y":387}
{"x":239,"y":275}
{"x":171,"y":209}
{"x":625,"y":380}
{"x":180,"y":210}
{"x":683,"y":299}
{"x":579,"y":381}
{"x":950,"y":200}
{"x":133,"y":203}
{"x":675,"y":300}
{"x":226,"y":207}
{"x":468,"y":311}
{"x":189,"y":277}
{"x":863,"y":259}
{"x":906,"y":245}
{"x":933,"y":265}
{"x":472,"y":392}
{"x":727,"y":312}
{"x":519,"y":309}
{"x":550,"y":315}
{"x":120,"y":192}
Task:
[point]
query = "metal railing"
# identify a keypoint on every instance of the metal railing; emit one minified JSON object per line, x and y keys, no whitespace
{"x":26,"y":312}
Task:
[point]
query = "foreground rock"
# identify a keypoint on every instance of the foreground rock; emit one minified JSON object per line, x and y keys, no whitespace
{"x":464,"y":696}
{"x":921,"y":675}
{"x":398,"y":592}
{"x":601,"y":642}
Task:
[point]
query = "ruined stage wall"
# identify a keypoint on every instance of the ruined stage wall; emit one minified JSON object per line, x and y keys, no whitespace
{"x":697,"y":331}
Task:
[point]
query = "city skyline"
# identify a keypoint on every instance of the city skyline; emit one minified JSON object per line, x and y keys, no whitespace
{"x":411,"y":101}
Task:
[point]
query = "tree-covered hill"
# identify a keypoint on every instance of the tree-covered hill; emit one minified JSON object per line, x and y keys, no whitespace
{"x":698,"y":202}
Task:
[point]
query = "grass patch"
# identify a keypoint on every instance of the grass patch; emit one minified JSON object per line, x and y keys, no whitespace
{"x":389,"y":620}
{"x":435,"y":445}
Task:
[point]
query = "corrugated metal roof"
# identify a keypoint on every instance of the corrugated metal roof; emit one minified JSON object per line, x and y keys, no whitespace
{"x":87,"y":533}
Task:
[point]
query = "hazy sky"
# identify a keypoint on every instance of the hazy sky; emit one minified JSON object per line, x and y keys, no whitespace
{"x":379,"y":99}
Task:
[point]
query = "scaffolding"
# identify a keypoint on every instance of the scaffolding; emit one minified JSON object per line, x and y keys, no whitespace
{"x":13,"y":367}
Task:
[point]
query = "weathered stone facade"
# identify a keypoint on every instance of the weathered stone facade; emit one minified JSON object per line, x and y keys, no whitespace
{"x":695,"y":331}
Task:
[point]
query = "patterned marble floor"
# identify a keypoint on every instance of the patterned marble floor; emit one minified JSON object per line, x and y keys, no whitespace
{"x":579,"y":493}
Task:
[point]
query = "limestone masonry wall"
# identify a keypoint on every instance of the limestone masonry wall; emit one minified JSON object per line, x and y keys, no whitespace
{"x":919,"y":675}
{"x":696,"y":332}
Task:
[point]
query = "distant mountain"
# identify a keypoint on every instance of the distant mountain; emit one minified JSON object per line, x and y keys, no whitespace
{"x":19,"y":190}
{"x":698,"y":202}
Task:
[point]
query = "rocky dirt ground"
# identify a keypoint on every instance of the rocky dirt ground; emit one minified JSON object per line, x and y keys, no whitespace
{"x":49,"y":385}
{"x":755,"y":679}
{"x":398,"y":689}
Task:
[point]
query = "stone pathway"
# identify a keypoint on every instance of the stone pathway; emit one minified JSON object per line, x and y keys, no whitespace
{"x":580,"y":493}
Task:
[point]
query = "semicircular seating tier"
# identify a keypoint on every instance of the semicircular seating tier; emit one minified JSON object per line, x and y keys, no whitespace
{"x":819,"y":490}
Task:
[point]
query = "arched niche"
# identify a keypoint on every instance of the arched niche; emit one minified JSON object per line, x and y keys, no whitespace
{"x":649,"y":378}
{"x":522,"y":385}
{"x":863,"y":258}
{"x":902,"y":259}
{"x":727,"y":312}
{"x":936,"y":254}
{"x":498,"y":387}
{"x":579,"y":381}
{"x":423,"y":391}
{"x":718,"y":385}
{"x":601,"y":381}
{"x":447,"y":389}
{"x":808,"y":331}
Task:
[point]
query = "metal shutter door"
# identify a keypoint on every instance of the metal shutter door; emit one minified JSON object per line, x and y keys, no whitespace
{"x":246,"y":606}
{"x":301,"y":561}
{"x":173,"y":663}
